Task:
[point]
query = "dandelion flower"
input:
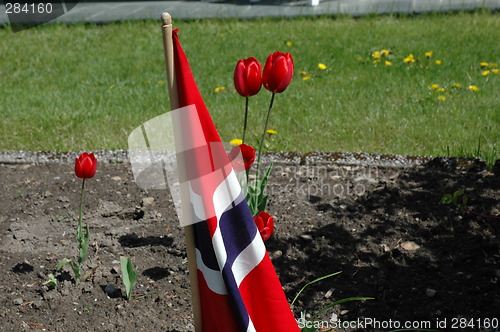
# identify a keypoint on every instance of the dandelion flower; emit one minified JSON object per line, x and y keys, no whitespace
{"x":236,"y":141}
{"x":440,"y":90}
{"x":441,"y":98}
{"x":376,"y":61}
{"x":272,"y":132}
{"x":388,"y":63}
{"x":112,"y":86}
{"x":219,"y":89}
{"x":409,"y":59}
{"x":289,"y":44}
{"x":376,"y":55}
{"x":434,"y":86}
{"x":428,"y":54}
{"x":321,"y":66}
{"x":438,"y":62}
{"x":486,"y":72}
{"x":484,"y":64}
{"x":385,"y":52}
{"x":473,"y":88}
{"x":457,"y":85}
{"x":302,"y":72}
{"x":495,"y":70}
{"x":306,"y":78}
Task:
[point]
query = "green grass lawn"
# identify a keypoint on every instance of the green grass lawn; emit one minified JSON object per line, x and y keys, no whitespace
{"x":85,"y":87}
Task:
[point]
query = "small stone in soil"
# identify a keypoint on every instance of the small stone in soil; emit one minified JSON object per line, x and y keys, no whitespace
{"x":430,"y":292}
{"x":410,"y":246}
{"x":109,"y":289}
{"x":17,"y":301}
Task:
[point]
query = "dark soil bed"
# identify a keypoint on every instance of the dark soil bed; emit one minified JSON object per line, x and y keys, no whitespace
{"x":383,"y":227}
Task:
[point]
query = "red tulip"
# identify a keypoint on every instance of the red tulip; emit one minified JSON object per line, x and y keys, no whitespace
{"x":265,"y":224}
{"x":248,"y":156}
{"x":278,"y":72}
{"x":85,"y":166}
{"x":247,"y":77}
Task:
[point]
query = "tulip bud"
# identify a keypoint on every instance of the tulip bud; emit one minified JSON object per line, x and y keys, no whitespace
{"x":265,"y":224}
{"x":278,"y":72}
{"x":247,"y":77}
{"x":85,"y":166}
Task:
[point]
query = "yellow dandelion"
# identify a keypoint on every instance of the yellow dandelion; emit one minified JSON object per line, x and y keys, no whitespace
{"x":409,"y":59}
{"x":236,"y":141}
{"x":457,"y":85}
{"x":441,"y":98}
{"x":440,"y":90}
{"x":473,"y":88}
{"x":376,"y":55}
{"x":486,"y":72}
{"x":428,"y":54}
{"x":438,"y":62}
{"x":219,"y":89}
{"x":302,"y":72}
{"x":112,"y":86}
{"x":385,"y":52}
{"x":272,"y":132}
{"x":321,"y":66}
{"x":493,"y":65}
{"x":289,"y":44}
{"x":434,"y":86}
{"x":484,"y":64}
{"x":376,"y":61}
{"x":388,"y":63}
{"x":495,"y":70}
{"x":306,"y":78}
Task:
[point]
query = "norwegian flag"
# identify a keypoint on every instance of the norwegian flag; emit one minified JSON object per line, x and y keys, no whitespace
{"x":238,"y":286}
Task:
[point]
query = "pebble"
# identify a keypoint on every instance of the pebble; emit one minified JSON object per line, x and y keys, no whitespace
{"x":147,"y":201}
{"x":116,"y":178}
{"x":410,"y":246}
{"x":430,"y":292}
{"x":306,"y":237}
{"x":277,"y":254}
{"x":329,"y":293}
{"x":344,"y":312}
{"x":110,"y":289}
{"x":18,"y":301}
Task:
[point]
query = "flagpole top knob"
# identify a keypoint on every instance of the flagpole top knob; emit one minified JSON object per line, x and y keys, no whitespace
{"x":166,"y":19}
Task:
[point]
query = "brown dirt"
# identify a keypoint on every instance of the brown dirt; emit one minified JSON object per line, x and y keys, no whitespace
{"x":384,"y":228}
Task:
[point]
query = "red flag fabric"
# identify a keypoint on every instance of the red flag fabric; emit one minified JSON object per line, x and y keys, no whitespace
{"x":238,"y":286}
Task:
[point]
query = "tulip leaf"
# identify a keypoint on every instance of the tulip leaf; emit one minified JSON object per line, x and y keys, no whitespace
{"x":447,"y":199}
{"x":62,"y":263}
{"x":129,"y":275}
{"x":256,"y":197}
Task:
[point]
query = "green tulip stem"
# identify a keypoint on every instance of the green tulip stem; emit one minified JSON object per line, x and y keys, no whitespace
{"x":245,"y":123}
{"x":79,"y":238}
{"x":264,"y":134}
{"x":79,"y":234}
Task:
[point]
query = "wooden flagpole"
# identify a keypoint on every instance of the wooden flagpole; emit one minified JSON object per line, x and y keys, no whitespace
{"x":168,"y":48}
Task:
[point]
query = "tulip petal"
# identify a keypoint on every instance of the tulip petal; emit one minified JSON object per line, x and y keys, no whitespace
{"x":259,"y":222}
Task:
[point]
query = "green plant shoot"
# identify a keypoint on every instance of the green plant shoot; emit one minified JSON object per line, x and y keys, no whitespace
{"x":129,"y":275}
